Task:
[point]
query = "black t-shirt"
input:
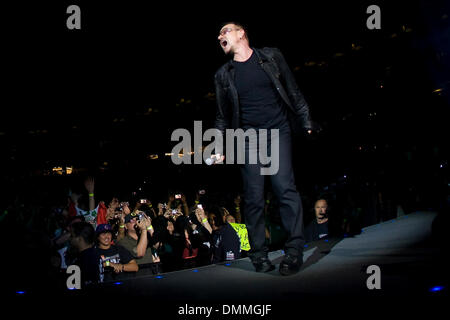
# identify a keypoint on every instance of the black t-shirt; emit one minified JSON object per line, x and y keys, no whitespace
{"x":226,"y":244}
{"x":115,"y":254}
{"x":88,"y":263}
{"x":261,"y":105}
{"x":315,"y":231}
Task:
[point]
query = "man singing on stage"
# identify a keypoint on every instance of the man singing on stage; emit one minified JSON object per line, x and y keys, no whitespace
{"x":257,"y":90}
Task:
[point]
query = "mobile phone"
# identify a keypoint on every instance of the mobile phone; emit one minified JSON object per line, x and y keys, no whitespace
{"x":143,"y":200}
{"x":201,"y":191}
{"x":199,"y":206}
{"x":174,"y":211}
{"x":178,"y":196}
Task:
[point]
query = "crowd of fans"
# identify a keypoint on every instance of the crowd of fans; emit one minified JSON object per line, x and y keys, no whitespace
{"x":118,"y":237}
{"x":114,"y":238}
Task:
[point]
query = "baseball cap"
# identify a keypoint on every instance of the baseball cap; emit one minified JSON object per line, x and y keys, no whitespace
{"x":101,"y":228}
{"x":130,"y":216}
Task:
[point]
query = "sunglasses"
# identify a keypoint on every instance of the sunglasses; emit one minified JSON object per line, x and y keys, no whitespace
{"x":224,"y":31}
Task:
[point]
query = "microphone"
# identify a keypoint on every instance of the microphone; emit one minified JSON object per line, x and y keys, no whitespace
{"x":209,"y":161}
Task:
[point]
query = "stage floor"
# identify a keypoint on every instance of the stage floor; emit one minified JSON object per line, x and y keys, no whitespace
{"x":409,"y":266}
{"x":332,"y":280}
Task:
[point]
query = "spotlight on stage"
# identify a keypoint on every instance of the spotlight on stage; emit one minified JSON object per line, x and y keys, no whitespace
{"x":20,"y":292}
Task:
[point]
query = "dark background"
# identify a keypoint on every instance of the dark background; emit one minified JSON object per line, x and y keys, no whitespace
{"x":104,"y":98}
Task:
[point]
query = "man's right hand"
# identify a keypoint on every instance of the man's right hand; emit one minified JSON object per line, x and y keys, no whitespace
{"x":218,"y":158}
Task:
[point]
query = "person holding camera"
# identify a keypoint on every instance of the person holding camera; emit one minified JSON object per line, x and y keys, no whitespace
{"x":203,"y":232}
{"x":178,"y":201}
{"x":193,"y":231}
{"x":138,"y":227}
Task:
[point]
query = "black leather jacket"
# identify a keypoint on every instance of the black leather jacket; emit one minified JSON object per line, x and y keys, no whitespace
{"x":273,"y":62}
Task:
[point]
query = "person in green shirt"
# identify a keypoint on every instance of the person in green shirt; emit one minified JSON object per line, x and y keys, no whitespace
{"x":138,"y":228}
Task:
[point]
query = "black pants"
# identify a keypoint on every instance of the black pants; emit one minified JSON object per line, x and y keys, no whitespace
{"x":283,"y":185}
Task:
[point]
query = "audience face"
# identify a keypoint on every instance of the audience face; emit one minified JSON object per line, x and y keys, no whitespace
{"x":75,"y":241}
{"x":104,"y":240}
{"x":160,"y":209}
{"x":230,"y":219}
{"x":130,"y":225}
{"x":126,"y":210}
{"x":170,"y":226}
{"x":211,"y":220}
{"x":65,"y":213}
{"x":69,"y":227}
{"x":114,"y":204}
{"x":320,"y":208}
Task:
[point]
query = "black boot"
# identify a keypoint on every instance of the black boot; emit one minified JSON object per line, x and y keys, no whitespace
{"x":291,"y":264}
{"x":263,"y":264}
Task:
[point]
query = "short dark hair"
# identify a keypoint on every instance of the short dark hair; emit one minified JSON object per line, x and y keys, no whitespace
{"x":84,"y":230}
{"x":237,"y":24}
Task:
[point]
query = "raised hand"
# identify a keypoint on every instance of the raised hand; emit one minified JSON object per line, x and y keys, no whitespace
{"x":200,"y":214}
{"x":74,"y":197}
{"x":237,"y":201}
{"x":126,"y":210}
{"x":89,"y":184}
{"x":122,"y":218}
{"x":147,"y":221}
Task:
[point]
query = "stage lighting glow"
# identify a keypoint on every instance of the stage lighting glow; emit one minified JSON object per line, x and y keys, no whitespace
{"x":159,"y":277}
{"x":195,"y":270}
{"x":227,"y":264}
{"x":20,"y":292}
{"x":437,"y":288}
{"x":118,"y":283}
{"x":306,"y":246}
{"x":326,"y":240}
